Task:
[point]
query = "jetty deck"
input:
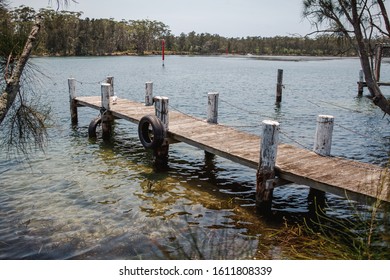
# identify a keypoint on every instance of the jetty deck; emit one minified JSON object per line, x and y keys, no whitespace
{"x":352,"y":179}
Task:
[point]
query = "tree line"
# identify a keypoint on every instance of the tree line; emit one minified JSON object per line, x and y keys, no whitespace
{"x":65,"y":33}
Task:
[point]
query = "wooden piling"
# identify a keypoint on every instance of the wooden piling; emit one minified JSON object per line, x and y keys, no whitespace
{"x":212,"y":107}
{"x":323,"y":136}
{"x":378,"y":61}
{"x":149,"y":94}
{"x":72,"y":100}
{"x":161,"y":104}
{"x":107,"y":117}
{"x":110,"y":80}
{"x":105,"y":94}
{"x":266,"y":169}
{"x":279,"y":86}
{"x":322,"y":146}
{"x":361,"y":83}
{"x":162,"y":110}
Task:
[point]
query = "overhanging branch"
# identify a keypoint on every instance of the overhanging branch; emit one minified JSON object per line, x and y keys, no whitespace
{"x":8,"y":96}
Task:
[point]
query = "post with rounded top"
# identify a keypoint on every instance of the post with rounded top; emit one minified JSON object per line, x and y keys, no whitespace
{"x":322,"y":146}
{"x":107,"y":117}
{"x":266,"y":170}
{"x":105,"y":95}
{"x":72,"y":100}
{"x":148,"y":93}
{"x":212,"y":107}
{"x":161,"y":104}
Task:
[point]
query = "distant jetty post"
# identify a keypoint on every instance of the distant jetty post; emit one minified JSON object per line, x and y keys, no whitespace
{"x":279,"y":86}
{"x":72,"y":99}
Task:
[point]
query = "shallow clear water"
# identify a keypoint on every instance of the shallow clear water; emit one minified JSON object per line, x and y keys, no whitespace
{"x":87,"y":199}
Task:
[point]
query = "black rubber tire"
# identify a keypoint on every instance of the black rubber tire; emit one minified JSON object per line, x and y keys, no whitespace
{"x":151,"y":132}
{"x":92,"y":127}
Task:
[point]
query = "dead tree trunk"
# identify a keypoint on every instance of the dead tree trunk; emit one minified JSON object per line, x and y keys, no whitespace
{"x":8,"y":96}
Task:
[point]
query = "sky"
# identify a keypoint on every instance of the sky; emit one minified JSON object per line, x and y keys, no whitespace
{"x":228,"y":18}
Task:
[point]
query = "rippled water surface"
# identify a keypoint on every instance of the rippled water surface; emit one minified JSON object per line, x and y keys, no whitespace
{"x":83,"y":199}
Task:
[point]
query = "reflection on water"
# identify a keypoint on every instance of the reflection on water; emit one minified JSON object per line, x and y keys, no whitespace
{"x":83,"y":199}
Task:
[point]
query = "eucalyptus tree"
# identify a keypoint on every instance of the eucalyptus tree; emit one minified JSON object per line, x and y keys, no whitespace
{"x":146,"y":34}
{"x":360,"y":21}
{"x":20,"y":121}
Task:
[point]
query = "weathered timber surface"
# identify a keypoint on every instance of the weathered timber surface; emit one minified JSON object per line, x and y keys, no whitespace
{"x":343,"y":177}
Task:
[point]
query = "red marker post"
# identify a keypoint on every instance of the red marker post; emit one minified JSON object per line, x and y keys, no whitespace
{"x":163,"y":51}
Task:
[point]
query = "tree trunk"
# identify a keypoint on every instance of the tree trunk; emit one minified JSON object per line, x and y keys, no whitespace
{"x":8,"y":96}
{"x":372,"y":85}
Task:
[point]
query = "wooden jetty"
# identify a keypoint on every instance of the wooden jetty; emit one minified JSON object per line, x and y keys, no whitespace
{"x":343,"y":177}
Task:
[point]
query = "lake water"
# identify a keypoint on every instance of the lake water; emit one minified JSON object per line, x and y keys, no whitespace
{"x":83,"y":199}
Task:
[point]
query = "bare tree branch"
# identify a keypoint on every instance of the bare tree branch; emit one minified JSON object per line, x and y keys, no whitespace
{"x":384,"y":15}
{"x":7,"y":98}
{"x":362,"y":16}
{"x":62,"y":2}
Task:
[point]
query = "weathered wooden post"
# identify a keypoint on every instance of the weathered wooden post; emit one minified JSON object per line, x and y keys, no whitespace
{"x":212,"y":116}
{"x":323,"y":136}
{"x":148,"y":93}
{"x":322,"y":146}
{"x":212,"y":107}
{"x":378,"y":61}
{"x":72,"y":100}
{"x":266,"y":170}
{"x":279,"y":86}
{"x":107,"y":117}
{"x":361,"y":83}
{"x":110,"y":80}
{"x":161,"y":104}
{"x":105,"y":96}
{"x":162,"y":110}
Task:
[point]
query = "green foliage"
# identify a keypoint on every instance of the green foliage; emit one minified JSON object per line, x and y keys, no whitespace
{"x":27,"y":121}
{"x":24,"y":120}
{"x":66,"y":33}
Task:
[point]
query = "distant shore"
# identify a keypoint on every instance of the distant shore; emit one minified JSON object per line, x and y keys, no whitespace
{"x":249,"y":56}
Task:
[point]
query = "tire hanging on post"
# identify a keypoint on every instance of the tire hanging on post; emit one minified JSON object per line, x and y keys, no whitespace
{"x":151,"y":132}
{"x":92,"y":127}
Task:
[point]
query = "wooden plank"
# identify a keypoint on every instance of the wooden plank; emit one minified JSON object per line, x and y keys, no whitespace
{"x":237,"y":146}
{"x":187,"y":125}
